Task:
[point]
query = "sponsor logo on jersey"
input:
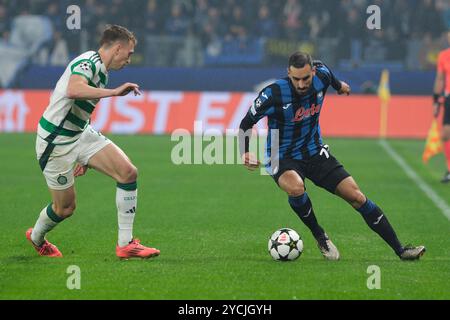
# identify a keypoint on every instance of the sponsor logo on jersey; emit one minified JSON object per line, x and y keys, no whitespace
{"x":304,"y":113}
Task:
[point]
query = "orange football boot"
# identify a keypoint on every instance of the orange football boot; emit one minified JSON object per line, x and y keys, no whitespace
{"x":46,"y":249}
{"x":136,"y":250}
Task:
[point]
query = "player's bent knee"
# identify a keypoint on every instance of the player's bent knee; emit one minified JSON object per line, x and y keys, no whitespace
{"x":66,"y":210}
{"x":357,"y":199}
{"x":292,"y":184}
{"x":128,"y":174}
{"x":295,"y":190}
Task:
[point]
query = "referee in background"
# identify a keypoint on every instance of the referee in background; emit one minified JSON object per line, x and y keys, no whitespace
{"x":442,"y":87}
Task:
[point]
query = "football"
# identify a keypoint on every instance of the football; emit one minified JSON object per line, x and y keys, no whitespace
{"x":285,"y":245}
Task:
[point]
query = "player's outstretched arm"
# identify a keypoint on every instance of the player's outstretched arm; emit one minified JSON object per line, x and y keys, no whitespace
{"x":79,"y":88}
{"x":126,"y":88}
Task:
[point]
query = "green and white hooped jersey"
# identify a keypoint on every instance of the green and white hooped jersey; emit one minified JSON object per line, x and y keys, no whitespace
{"x":65,"y":119}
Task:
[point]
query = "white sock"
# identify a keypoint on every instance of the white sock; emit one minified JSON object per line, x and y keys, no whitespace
{"x":47,"y":221}
{"x":126,"y":201}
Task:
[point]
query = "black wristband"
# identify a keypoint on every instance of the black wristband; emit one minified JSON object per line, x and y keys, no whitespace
{"x":436,"y":97}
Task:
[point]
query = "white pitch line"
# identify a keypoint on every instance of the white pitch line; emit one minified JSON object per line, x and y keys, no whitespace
{"x":429,"y":192}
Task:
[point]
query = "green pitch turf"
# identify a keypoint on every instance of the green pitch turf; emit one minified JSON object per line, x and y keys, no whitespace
{"x":212,"y":224}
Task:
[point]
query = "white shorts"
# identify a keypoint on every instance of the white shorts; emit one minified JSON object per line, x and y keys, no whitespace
{"x":58,"y":171}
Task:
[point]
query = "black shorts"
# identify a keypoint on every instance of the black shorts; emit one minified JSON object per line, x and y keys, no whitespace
{"x":322,"y":169}
{"x":446,"y":120}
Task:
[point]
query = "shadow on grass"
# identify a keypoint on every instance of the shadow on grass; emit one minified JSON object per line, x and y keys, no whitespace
{"x":320,"y":261}
{"x":19,"y":259}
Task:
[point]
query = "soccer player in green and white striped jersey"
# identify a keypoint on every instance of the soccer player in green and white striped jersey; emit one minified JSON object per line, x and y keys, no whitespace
{"x":66,"y":144}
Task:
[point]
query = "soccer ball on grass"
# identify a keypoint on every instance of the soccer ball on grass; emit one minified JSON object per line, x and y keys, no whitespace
{"x":285,"y":245}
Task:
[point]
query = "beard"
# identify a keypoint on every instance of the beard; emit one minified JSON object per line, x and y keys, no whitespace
{"x":303,"y":91}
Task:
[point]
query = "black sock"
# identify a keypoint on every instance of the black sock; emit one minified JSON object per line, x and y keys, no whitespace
{"x":303,"y":208}
{"x":378,"y":222}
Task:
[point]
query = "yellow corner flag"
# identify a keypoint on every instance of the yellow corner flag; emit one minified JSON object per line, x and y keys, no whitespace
{"x":384,"y":94}
{"x":434,"y":143}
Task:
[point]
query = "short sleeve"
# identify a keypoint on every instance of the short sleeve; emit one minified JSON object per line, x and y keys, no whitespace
{"x":85,"y":68}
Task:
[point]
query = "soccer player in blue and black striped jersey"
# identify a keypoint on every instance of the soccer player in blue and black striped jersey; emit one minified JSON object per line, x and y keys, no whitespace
{"x":292,"y":106}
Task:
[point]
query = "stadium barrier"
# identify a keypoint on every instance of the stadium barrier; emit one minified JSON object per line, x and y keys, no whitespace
{"x":161,"y":112}
{"x":362,"y":81}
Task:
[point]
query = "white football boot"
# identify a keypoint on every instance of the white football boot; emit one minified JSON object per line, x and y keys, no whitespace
{"x":328,"y":249}
{"x":412,"y":253}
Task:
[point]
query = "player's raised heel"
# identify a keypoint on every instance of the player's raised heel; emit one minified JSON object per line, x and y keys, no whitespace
{"x":412,"y":253}
{"x":136,"y":250}
{"x":46,"y":249}
{"x":328,"y":249}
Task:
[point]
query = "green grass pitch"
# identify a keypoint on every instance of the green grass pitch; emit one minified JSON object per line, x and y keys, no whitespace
{"x":212,"y":223}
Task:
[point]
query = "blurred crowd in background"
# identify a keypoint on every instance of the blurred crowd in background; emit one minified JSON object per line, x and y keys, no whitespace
{"x":196,"y":33}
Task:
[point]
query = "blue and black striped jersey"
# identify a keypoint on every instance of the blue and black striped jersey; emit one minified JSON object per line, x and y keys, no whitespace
{"x":295,"y":116}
